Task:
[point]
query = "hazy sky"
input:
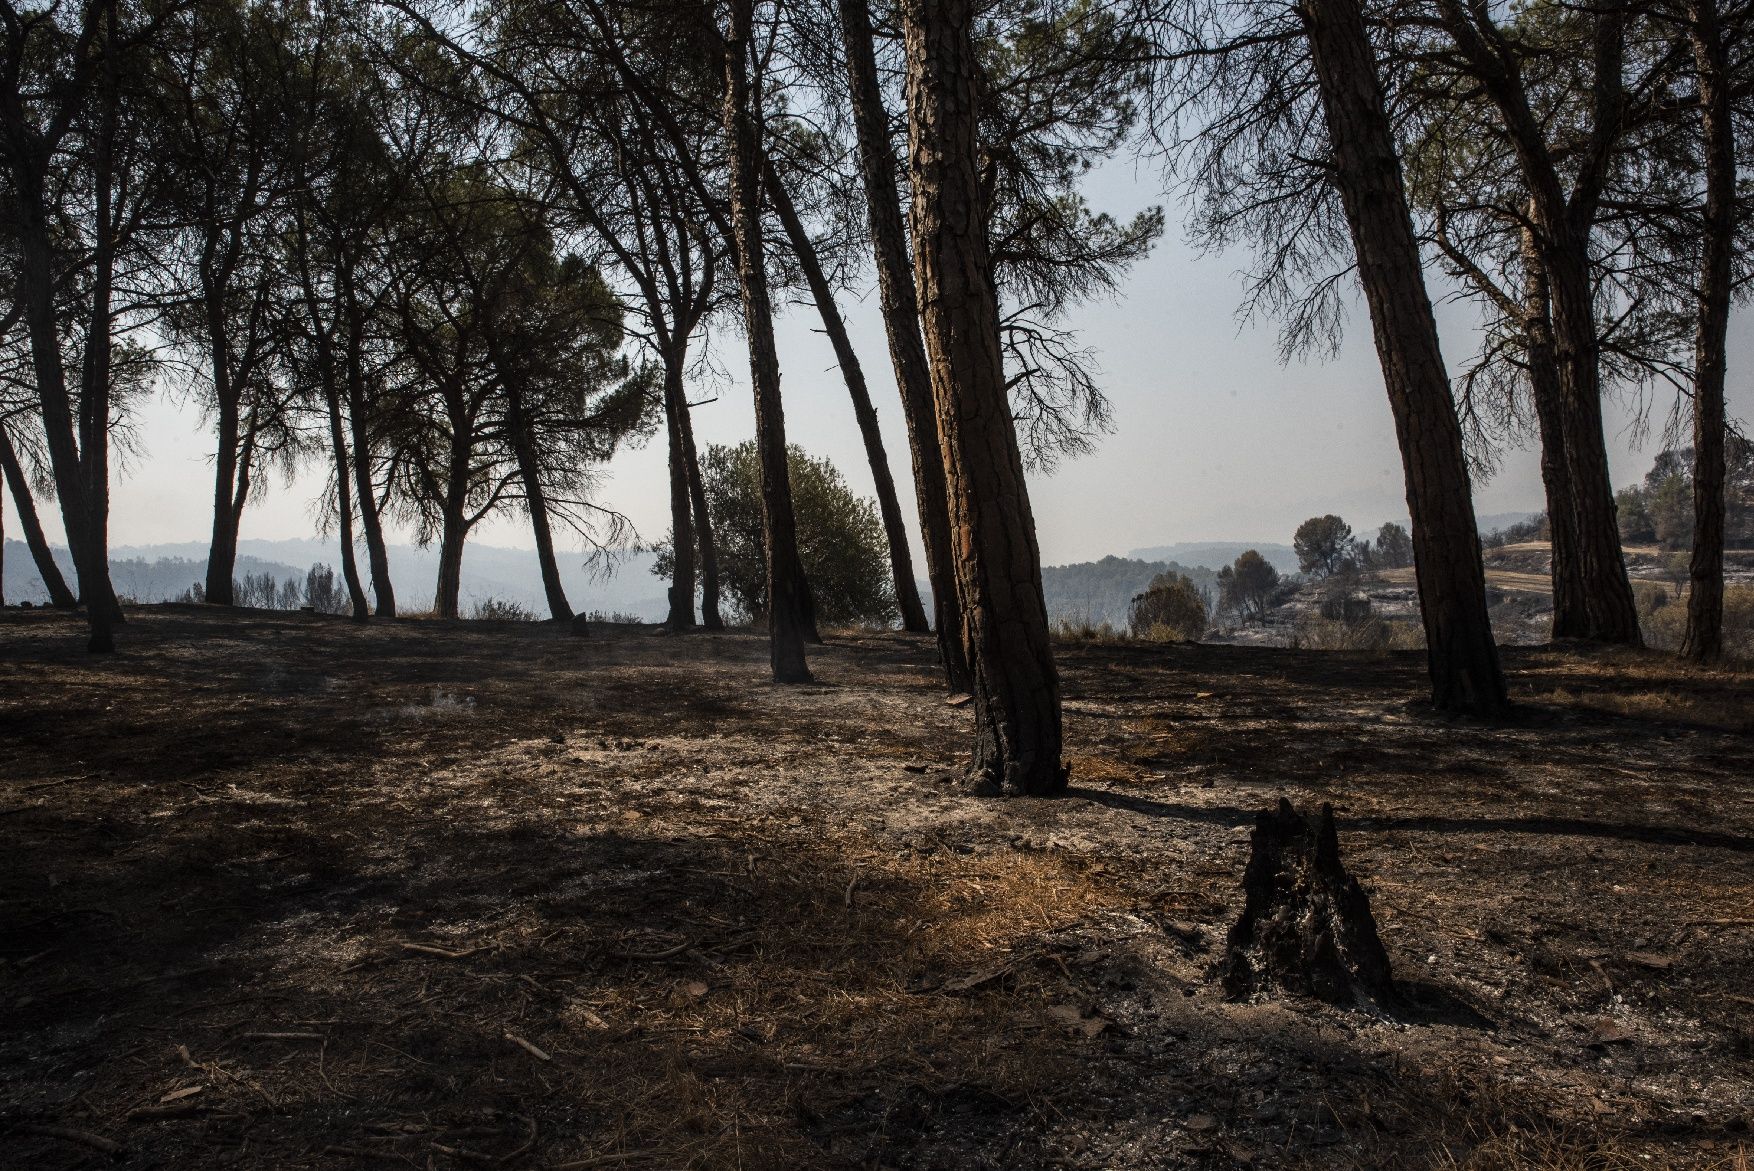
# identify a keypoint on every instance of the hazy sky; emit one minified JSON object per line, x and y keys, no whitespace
{"x":1214,"y":439}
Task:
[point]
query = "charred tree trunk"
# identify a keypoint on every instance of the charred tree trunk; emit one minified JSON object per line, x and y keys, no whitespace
{"x":682,"y":541}
{"x":901,"y":562}
{"x":222,"y":549}
{"x":1461,"y":655}
{"x":1561,"y":226}
{"x":1570,"y":609}
{"x":25,"y":504}
{"x":998,"y":566}
{"x":1705,"y":601}
{"x":447,"y":593}
{"x":377,"y":552}
{"x":232,"y":451}
{"x":790,"y":620}
{"x":1306,"y":926}
{"x":102,"y":609}
{"x":344,"y":501}
{"x":710,"y":617}
{"x":1613,"y":615}
{"x":901,"y":320}
{"x":536,"y":501}
{"x":36,"y":285}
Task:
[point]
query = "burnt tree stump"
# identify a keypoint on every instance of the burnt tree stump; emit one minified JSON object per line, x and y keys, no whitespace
{"x":1306,"y":925}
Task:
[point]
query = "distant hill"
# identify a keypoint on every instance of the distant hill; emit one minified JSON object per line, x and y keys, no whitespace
{"x":1215,"y":555}
{"x":1101,"y":591}
{"x":156,"y":573}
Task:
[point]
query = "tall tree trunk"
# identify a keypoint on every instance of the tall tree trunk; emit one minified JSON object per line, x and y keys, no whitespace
{"x":682,"y":544}
{"x":36,"y":284}
{"x":1705,"y":602}
{"x":1613,"y":614}
{"x":901,"y":562}
{"x":901,"y":320}
{"x":790,"y":619}
{"x":101,"y":607}
{"x":377,"y":552}
{"x":343,"y":495}
{"x":710,"y":618}
{"x":222,"y":550}
{"x":25,"y":504}
{"x":1570,"y":608}
{"x":1461,"y":655}
{"x":998,"y":565}
{"x":447,"y":595}
{"x":1562,"y":225}
{"x":536,"y":500}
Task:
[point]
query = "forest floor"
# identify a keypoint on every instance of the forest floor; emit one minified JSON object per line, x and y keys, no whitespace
{"x":280,"y":891}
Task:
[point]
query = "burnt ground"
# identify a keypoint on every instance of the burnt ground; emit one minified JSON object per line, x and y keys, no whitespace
{"x":282,"y":891}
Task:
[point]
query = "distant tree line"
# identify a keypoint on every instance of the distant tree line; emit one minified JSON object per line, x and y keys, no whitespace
{"x":317,"y":591}
{"x":1660,"y":509}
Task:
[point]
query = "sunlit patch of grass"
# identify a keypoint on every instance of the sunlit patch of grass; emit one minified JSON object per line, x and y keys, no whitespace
{"x":1087,"y":768}
{"x":1504,"y":1145}
{"x":835,"y":992}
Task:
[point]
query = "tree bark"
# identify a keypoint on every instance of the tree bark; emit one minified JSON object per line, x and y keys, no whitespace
{"x":710,"y":618}
{"x":682,"y":541}
{"x":1601,"y":569}
{"x":1461,"y":656}
{"x":998,"y":565}
{"x":454,"y":519}
{"x":1561,"y":228}
{"x":789,"y":610}
{"x":1705,"y":601}
{"x":25,"y":504}
{"x":1570,"y":608}
{"x":901,"y":563}
{"x":102,"y":609}
{"x":1306,"y":926}
{"x":222,"y":549}
{"x":343,"y":495}
{"x":377,"y":552}
{"x":447,"y":592}
{"x":901,"y":320}
{"x":536,"y":501}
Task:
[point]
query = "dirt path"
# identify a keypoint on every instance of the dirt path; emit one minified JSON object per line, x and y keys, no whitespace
{"x":283,"y":892}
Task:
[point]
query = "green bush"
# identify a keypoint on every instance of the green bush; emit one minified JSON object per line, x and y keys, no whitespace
{"x":840,"y":538}
{"x":492,"y":609}
{"x":1170,"y":610}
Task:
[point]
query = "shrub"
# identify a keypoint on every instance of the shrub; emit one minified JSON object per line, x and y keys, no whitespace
{"x":840,"y":538}
{"x":1664,"y":623}
{"x":492,"y":609}
{"x":1248,"y":586}
{"x":1380,"y":635}
{"x":1082,"y":628}
{"x":614,"y":618}
{"x":1170,"y":610}
{"x":1345,"y":606}
{"x":323,"y":593}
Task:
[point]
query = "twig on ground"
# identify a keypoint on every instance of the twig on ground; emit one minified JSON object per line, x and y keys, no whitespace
{"x":282,"y":1037}
{"x":667,"y":953}
{"x":532,"y":1050}
{"x":442,"y":952}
